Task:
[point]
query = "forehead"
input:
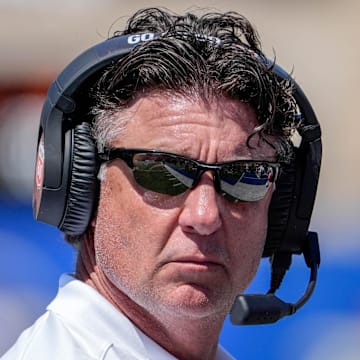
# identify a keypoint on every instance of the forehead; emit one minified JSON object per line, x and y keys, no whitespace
{"x":217,"y":128}
{"x":164,"y":104}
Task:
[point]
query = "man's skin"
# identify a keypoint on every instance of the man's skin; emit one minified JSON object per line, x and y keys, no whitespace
{"x":174,"y":264}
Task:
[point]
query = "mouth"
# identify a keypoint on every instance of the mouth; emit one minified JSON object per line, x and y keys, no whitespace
{"x":198,"y":263}
{"x":202,"y":271}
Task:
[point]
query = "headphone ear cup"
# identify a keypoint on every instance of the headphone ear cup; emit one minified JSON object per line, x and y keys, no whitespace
{"x":279,"y":211}
{"x":83,"y":187}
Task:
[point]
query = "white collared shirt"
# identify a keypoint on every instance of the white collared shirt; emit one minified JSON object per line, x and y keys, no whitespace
{"x":80,"y":324}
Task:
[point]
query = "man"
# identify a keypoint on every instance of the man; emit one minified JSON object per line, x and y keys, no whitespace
{"x":191,"y":127}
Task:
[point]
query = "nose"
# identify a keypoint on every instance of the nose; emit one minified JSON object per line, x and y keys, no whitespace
{"x":200,"y":213}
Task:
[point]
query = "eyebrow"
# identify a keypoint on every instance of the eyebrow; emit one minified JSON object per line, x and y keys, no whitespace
{"x":241,"y":150}
{"x":256,"y":151}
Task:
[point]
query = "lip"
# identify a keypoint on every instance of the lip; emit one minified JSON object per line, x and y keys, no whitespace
{"x":198,"y":261}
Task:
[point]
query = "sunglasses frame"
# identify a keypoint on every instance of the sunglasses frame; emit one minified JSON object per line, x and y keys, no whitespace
{"x":127,"y":155}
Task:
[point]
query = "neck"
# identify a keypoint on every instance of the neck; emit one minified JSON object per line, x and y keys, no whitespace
{"x":185,"y":338}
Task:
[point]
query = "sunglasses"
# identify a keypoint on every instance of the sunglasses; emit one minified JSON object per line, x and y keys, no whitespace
{"x":172,"y":174}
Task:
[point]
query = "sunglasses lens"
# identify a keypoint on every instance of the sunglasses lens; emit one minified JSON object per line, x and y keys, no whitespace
{"x":162,"y":173}
{"x":245,"y":182}
{"x":173,"y":175}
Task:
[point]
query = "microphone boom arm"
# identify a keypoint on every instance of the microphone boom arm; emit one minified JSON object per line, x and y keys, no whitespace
{"x":255,"y":309}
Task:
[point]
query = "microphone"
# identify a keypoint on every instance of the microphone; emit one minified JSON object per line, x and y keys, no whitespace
{"x":255,"y":309}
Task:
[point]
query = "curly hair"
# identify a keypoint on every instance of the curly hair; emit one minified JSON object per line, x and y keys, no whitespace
{"x":212,"y":55}
{"x":209,"y":56}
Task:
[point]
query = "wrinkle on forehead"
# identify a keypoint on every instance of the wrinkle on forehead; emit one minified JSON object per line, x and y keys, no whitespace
{"x":234,"y":109}
{"x":159,"y":114}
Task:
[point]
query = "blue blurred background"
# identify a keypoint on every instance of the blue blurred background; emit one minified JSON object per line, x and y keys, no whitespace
{"x":317,"y":40}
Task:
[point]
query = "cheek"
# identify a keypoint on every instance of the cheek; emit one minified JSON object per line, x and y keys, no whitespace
{"x":111,"y":248}
{"x":250,"y":222}
{"x":249,"y":234}
{"x":130,"y":233}
{"x":115,"y":228}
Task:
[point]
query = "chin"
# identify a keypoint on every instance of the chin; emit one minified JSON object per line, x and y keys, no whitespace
{"x":194,"y":301}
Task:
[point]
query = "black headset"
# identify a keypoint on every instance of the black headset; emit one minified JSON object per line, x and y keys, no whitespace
{"x":66,"y":186}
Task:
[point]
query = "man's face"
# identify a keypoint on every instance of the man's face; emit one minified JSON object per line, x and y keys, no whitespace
{"x":191,"y":254}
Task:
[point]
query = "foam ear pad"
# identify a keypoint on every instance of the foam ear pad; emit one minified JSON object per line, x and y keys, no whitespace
{"x":279,"y":210}
{"x":83,"y":187}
